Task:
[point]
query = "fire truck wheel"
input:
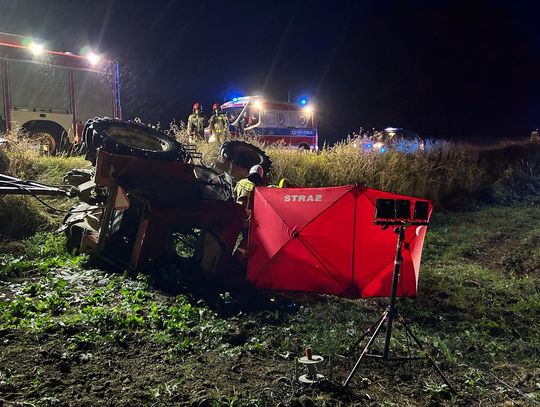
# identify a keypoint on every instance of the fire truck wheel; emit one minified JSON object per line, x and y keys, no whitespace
{"x":48,"y":140}
{"x":245,"y":155}
{"x":131,"y":139}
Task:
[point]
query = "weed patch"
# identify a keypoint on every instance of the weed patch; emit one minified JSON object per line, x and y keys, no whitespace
{"x":38,"y":255}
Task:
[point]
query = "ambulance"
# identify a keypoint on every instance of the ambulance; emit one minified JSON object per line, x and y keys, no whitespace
{"x":272,"y":121}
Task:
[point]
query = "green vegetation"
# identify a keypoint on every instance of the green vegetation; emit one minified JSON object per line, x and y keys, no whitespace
{"x":52,"y":298}
{"x":36,"y":255}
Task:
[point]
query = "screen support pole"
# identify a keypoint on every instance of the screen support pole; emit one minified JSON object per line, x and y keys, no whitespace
{"x":390,"y":314}
{"x":392,"y":310}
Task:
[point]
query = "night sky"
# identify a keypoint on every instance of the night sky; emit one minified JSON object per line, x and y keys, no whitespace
{"x":446,"y":69}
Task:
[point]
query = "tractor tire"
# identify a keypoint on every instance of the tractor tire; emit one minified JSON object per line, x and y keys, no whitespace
{"x":243,"y":155}
{"x":130,"y":139}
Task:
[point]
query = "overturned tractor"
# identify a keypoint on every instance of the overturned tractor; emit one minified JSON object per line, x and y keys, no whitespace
{"x":149,"y":195}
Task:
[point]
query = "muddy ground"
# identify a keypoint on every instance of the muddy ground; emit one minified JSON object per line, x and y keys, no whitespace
{"x":134,"y":370}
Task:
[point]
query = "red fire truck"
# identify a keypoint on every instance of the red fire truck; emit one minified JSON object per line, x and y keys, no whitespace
{"x":273,"y":121}
{"x":51,"y":94}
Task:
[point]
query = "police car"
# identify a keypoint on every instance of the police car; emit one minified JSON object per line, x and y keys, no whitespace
{"x":390,"y":138}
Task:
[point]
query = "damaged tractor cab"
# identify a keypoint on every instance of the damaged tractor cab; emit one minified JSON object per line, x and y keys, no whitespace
{"x":147,"y":200}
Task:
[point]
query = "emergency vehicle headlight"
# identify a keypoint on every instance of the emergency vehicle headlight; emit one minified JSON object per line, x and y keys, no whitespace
{"x":36,"y":48}
{"x":309,"y":109}
{"x":257,"y":104}
{"x":93,"y":58}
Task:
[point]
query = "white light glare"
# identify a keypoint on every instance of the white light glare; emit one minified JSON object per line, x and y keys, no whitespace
{"x":36,"y":48}
{"x":257,"y":104}
{"x":309,"y":109}
{"x":93,"y":58}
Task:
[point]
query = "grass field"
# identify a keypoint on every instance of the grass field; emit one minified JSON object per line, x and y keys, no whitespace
{"x":74,"y":335}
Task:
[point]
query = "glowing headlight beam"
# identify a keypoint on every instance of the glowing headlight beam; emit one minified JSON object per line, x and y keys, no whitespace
{"x":309,"y":109}
{"x":93,"y":58}
{"x":36,"y":48}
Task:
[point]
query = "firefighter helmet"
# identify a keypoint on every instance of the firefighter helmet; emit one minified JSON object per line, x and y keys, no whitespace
{"x":216,"y":106}
{"x":197,"y":106}
{"x":257,"y":169}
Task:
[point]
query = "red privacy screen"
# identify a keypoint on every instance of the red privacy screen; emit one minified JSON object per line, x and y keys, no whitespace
{"x":324,"y":240}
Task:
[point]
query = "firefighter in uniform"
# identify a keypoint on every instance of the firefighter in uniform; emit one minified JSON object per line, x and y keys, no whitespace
{"x":195,"y":123}
{"x":218,"y":125}
{"x":243,"y":195}
{"x":243,"y":191}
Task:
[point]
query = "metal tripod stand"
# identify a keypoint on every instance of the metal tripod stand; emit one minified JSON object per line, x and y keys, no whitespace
{"x":390,"y":315}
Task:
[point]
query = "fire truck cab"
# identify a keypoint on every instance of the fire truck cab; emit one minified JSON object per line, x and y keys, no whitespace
{"x":50,"y":94}
{"x":273,"y":121}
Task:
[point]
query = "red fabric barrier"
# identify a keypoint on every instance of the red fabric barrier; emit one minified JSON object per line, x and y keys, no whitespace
{"x":324,"y":240}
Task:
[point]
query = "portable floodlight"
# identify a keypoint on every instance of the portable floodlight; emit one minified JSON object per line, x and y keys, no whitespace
{"x":390,"y":210}
{"x":398,"y":211}
{"x":384,"y":209}
{"x":421,"y":211}
{"x":403,"y":209}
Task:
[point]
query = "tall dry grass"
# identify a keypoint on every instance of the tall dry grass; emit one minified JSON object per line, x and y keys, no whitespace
{"x":20,"y":215}
{"x":435,"y":174}
{"x":453,"y":175}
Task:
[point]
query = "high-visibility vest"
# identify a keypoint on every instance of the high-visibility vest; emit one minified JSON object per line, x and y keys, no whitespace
{"x":244,"y":188}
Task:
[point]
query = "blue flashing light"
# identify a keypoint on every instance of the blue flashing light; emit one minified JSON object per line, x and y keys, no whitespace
{"x":369,"y":146}
{"x":234,"y":96}
{"x":302,"y":100}
{"x":383,"y":149}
